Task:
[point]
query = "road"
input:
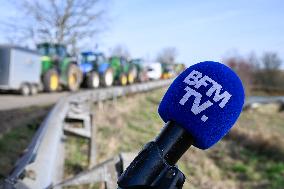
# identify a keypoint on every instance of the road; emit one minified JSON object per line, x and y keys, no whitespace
{"x":13,"y":101}
{"x":263,"y":100}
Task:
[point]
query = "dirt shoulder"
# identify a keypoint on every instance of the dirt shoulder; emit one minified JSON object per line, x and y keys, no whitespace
{"x":11,"y":119}
{"x":13,"y":101}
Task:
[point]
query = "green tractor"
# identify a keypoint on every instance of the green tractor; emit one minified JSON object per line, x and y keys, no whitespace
{"x":139,"y":70}
{"x":123,"y":72}
{"x":58,"y":68}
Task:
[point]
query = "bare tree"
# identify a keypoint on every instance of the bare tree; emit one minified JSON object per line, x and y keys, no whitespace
{"x":253,"y":60}
{"x":120,"y":51}
{"x":167,"y":55}
{"x":271,"y":61}
{"x":258,"y":73}
{"x":58,"y":21}
{"x":271,"y":76}
{"x":244,"y":69}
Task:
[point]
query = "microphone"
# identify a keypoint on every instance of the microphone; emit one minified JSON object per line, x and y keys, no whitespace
{"x":199,"y":109}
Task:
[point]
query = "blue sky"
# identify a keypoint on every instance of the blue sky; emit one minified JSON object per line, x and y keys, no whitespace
{"x":200,"y":30}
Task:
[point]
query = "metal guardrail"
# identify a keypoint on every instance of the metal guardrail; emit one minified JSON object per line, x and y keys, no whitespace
{"x":42,"y":164}
{"x":106,"y":172}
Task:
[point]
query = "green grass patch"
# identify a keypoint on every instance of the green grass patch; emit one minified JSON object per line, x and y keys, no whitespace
{"x":239,"y":168}
{"x":76,"y":159}
{"x":12,"y":145}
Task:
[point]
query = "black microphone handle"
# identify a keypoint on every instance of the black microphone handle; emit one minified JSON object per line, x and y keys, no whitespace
{"x":156,"y":161}
{"x":173,"y":141}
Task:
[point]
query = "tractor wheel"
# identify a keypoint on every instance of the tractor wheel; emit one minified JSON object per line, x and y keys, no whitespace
{"x":122,"y":79}
{"x":132,"y":75}
{"x":130,"y":78}
{"x":74,"y":78}
{"x":107,"y":78}
{"x":33,"y":89}
{"x":25,"y":89}
{"x":134,"y":72}
{"x":51,"y":81}
{"x":93,"y":80}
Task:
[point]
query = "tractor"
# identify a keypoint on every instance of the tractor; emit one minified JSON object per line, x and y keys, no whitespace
{"x":96,"y":70}
{"x":139,"y":70}
{"x":58,"y":68}
{"x":168,"y":71}
{"x":123,"y":71}
{"x":179,"y":67}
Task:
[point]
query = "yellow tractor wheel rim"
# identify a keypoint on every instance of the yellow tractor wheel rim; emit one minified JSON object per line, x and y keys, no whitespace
{"x":72,"y":79}
{"x":130,"y":78}
{"x":166,"y":76}
{"x":53,"y":82}
{"x":123,"y":80}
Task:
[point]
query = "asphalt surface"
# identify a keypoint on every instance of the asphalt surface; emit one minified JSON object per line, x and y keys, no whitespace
{"x":14,"y":101}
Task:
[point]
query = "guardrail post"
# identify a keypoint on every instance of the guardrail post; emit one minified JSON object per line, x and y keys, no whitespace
{"x":93,"y":147}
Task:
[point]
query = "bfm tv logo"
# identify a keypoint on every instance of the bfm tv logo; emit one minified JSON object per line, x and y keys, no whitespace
{"x":196,"y":80}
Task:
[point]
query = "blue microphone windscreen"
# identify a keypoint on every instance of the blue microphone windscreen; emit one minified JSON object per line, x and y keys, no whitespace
{"x":206,"y":99}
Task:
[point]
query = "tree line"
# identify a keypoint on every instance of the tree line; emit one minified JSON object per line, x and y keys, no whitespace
{"x":258,"y":73}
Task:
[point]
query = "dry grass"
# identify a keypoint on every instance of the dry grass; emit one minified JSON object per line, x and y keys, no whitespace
{"x":125,"y":125}
{"x":261,"y":130}
{"x":249,"y":157}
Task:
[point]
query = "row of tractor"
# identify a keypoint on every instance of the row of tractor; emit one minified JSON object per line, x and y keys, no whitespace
{"x":51,"y":69}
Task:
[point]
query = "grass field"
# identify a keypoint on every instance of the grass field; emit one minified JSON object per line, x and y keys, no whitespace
{"x":250,"y":156}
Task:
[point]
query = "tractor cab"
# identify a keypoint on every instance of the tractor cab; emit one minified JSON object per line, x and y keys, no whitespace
{"x":100,"y":58}
{"x":88,"y":57}
{"x":167,"y":71}
{"x":56,"y":51}
{"x":92,"y":58}
{"x":92,"y":61}
{"x":124,"y":64}
{"x":88,"y":62}
{"x":137,"y":61}
{"x":49,"y":49}
{"x":60,"y":50}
